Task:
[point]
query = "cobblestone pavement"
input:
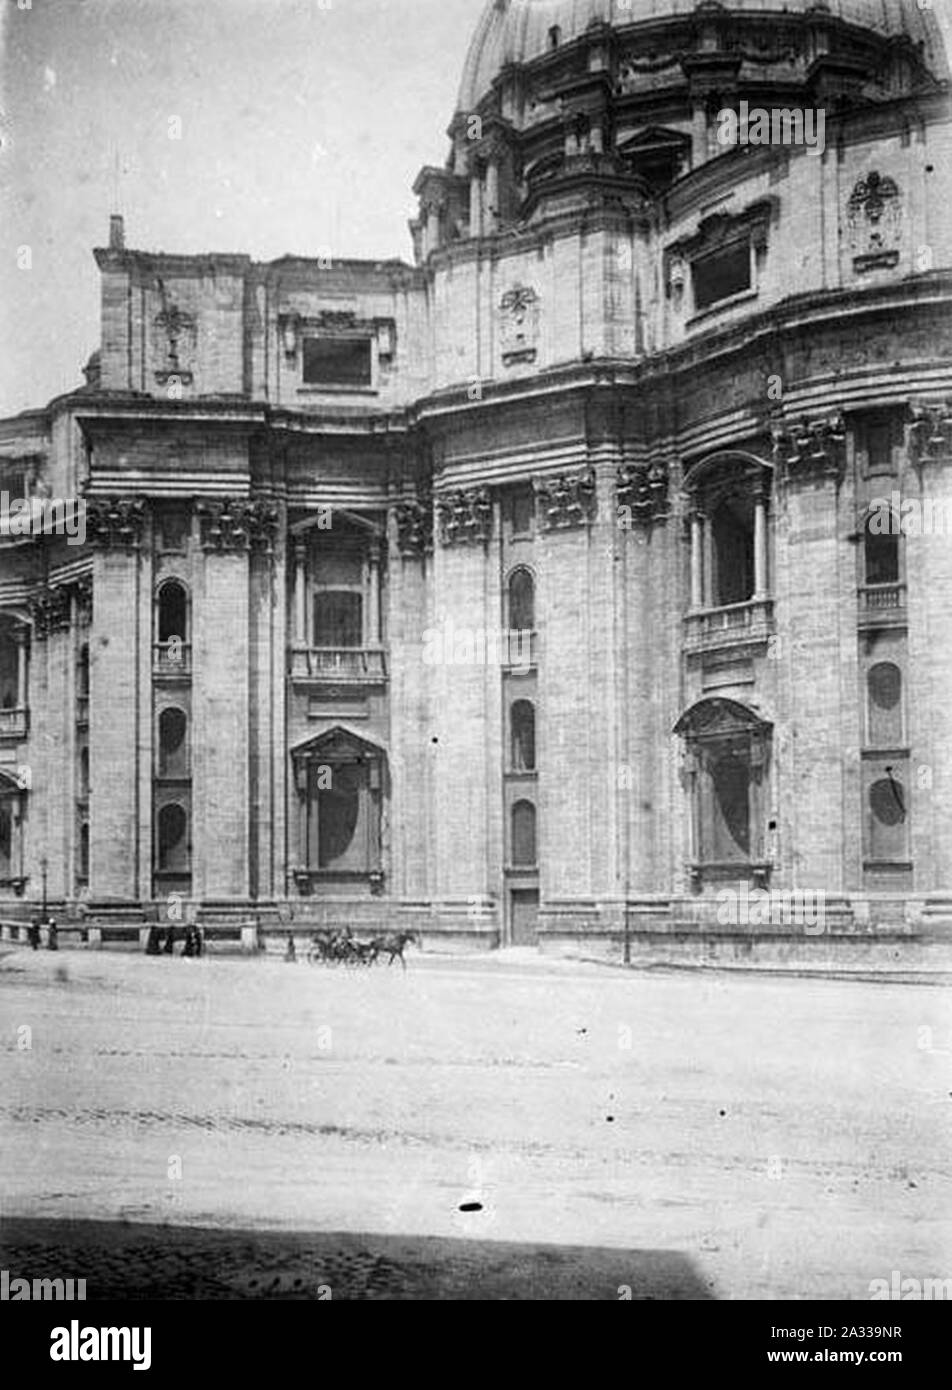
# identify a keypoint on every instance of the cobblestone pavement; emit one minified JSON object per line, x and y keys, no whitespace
{"x":122,"y":1261}
{"x":506,"y":1127}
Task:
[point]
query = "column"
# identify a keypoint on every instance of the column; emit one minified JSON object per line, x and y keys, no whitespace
{"x":760,"y":543}
{"x":708,"y":589}
{"x":492,"y":197}
{"x":699,"y":134}
{"x":432,"y":228}
{"x":20,"y":637}
{"x":475,"y":205}
{"x":300,"y":595}
{"x":373,"y":623}
{"x":697,"y":561}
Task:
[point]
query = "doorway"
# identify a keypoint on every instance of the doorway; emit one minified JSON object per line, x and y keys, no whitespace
{"x":524,"y":917}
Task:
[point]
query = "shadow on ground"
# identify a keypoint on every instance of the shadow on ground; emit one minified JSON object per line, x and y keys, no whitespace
{"x":121,"y":1261}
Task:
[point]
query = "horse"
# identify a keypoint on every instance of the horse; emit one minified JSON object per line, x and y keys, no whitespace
{"x":394,"y":946}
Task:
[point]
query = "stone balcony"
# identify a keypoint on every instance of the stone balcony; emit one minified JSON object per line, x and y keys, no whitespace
{"x":14,"y":725}
{"x":882,"y":605}
{"x":172,"y":659}
{"x":739,"y":625}
{"x":349,"y":666}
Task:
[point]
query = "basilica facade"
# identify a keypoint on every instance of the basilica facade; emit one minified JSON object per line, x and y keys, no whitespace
{"x":555,"y":587}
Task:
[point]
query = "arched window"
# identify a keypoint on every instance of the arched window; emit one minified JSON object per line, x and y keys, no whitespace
{"x":173,"y":612}
{"x":522,"y":615}
{"x":881,"y":554}
{"x":173,"y":747}
{"x":524,"y":850}
{"x":555,"y":37}
{"x":732,"y":532}
{"x":173,"y":840}
{"x":522,"y":720}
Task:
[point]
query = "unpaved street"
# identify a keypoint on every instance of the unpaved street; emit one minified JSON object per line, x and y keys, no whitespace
{"x":682,"y":1134}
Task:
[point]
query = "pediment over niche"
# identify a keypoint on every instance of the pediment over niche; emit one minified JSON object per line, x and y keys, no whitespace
{"x":713,"y":718}
{"x":339,"y":744}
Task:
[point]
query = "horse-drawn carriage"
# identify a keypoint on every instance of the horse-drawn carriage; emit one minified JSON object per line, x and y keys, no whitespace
{"x":341,"y":947}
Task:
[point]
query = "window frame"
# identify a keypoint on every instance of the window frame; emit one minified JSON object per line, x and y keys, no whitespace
{"x":518,"y":865}
{"x":340,"y":338}
{"x":173,"y":581}
{"x":745,"y":243}
{"x":519,"y":704}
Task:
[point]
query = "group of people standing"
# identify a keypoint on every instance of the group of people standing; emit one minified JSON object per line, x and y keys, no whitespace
{"x":52,"y":935}
{"x":163,"y":943}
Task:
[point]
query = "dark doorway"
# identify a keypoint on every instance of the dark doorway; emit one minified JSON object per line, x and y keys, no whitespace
{"x":524,"y":916}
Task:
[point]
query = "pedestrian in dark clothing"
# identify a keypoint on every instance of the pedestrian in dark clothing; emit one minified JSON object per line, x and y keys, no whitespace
{"x":52,"y":940}
{"x":290,"y":955}
{"x":169,"y":948}
{"x":193,"y":942}
{"x":154,"y":943}
{"x":33,"y":935}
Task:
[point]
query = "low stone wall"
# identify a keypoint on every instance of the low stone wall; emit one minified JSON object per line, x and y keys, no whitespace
{"x":883,"y":952}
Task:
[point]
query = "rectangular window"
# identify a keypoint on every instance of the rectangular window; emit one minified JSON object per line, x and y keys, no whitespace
{"x":338,"y":362}
{"x":338,"y":619}
{"x":878,"y":436}
{"x":721,"y":275}
{"x":15,"y":482}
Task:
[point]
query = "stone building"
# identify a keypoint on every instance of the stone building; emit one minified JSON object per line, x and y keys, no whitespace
{"x":538,"y":590}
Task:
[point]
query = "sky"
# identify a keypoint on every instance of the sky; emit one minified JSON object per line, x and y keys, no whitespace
{"x":303,"y":126}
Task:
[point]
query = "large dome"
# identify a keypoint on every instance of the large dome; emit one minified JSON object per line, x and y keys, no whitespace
{"x":517,"y":31}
